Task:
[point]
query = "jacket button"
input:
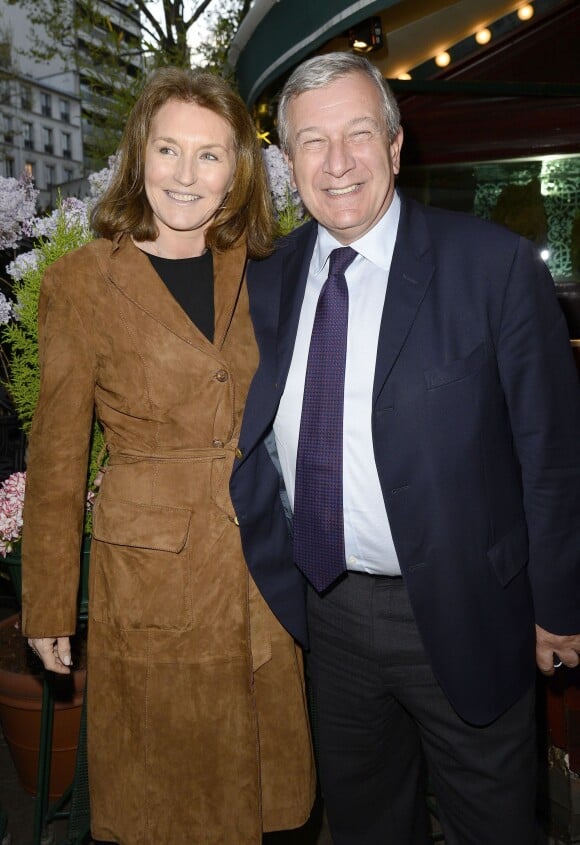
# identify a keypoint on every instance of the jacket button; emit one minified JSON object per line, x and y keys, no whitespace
{"x":222,"y":375}
{"x":219,"y":444}
{"x":239,"y":454}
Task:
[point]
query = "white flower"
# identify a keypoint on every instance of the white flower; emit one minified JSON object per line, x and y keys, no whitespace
{"x":99,"y":181}
{"x":17,"y":207}
{"x":74,"y":211}
{"x":6,"y":309}
{"x":18,"y":268}
{"x":278,"y":177}
{"x":289,"y":208}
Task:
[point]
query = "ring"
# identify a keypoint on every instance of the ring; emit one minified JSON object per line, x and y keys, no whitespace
{"x":558,"y":664}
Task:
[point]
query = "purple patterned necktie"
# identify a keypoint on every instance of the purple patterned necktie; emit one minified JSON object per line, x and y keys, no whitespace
{"x":318,"y":510}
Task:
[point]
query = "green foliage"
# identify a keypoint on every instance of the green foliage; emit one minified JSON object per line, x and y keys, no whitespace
{"x":224,"y":24}
{"x":20,"y":337}
{"x":291,"y":216}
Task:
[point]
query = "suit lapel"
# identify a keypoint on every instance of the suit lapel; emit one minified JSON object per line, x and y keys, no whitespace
{"x":276,"y":287}
{"x":411,"y":271}
{"x":295,"y":260}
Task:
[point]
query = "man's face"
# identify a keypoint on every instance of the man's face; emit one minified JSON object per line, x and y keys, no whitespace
{"x":340,"y":157}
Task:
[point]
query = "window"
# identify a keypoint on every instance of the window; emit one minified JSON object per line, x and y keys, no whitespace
{"x":9,"y":167}
{"x":68,"y":174}
{"x":30,"y":169}
{"x":47,"y":139}
{"x":5,"y":93}
{"x":8,"y":129}
{"x":46,"y":104}
{"x":66,"y":145}
{"x":537,"y":197}
{"x":64,"y":107}
{"x":50,"y":175}
{"x":27,"y":136}
{"x":26,"y":97}
{"x":5,"y":54}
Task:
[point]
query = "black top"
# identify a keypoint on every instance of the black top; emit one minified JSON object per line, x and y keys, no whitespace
{"x":190,"y":281}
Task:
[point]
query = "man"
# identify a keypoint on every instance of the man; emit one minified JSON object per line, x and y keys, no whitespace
{"x":457,"y":508}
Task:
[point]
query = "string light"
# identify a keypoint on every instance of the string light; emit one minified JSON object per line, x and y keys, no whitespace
{"x":526,"y":12}
{"x":442,"y":59}
{"x":483,"y":36}
{"x":404,"y":76}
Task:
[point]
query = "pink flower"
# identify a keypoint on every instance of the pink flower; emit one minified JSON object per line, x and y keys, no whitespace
{"x":11,"y":505}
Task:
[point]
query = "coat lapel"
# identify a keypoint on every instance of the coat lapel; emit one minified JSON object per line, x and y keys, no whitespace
{"x":130,"y":271}
{"x":228,"y":274}
{"x":411,"y":271}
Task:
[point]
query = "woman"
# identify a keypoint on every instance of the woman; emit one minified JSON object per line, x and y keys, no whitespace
{"x":197,"y":721}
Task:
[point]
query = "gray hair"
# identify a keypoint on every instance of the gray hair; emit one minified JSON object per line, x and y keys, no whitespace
{"x":321,"y":71}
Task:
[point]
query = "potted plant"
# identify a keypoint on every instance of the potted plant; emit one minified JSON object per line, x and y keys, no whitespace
{"x":21,"y":676}
{"x":21,"y":692}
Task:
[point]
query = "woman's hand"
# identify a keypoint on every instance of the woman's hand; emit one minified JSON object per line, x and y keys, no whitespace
{"x":54,"y":653}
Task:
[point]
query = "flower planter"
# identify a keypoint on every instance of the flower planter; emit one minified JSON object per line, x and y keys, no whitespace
{"x":20,"y":716}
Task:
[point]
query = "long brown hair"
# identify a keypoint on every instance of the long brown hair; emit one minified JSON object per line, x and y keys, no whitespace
{"x":248,"y":212}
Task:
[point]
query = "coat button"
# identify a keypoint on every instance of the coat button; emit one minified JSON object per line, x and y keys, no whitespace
{"x":219,"y":444}
{"x":222,"y":375}
{"x":239,"y":454}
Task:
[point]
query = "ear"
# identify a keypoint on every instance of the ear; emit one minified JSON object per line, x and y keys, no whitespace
{"x":395,"y":150}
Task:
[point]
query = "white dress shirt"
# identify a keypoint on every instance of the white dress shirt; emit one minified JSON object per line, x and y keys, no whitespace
{"x":368,"y":541}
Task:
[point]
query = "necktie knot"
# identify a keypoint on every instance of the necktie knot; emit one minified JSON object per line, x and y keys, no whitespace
{"x":340,"y":259}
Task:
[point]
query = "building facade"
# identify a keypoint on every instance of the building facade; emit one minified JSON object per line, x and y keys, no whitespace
{"x":50,"y":114}
{"x":40,"y":134}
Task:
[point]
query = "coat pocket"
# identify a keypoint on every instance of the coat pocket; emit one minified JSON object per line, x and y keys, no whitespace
{"x":140,"y":566}
{"x":510,"y":554}
{"x":126,"y":523}
{"x":456,"y":370}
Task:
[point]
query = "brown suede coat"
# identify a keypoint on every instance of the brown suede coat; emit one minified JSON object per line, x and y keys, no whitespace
{"x":198,"y":727}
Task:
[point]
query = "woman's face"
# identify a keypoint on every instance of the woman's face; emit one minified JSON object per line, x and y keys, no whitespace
{"x":189,"y":168}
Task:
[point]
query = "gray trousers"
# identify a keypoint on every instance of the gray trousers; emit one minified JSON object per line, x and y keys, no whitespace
{"x":384,"y":729}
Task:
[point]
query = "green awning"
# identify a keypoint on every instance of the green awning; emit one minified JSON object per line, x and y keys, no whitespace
{"x":279,"y":34}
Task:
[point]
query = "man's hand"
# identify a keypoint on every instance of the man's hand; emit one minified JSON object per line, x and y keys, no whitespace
{"x":54,"y":653}
{"x":552,"y":648}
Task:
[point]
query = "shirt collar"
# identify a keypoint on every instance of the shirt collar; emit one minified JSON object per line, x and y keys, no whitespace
{"x":376,"y":246}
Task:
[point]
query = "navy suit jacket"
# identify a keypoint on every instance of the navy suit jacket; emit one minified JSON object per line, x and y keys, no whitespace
{"x":476,"y":435}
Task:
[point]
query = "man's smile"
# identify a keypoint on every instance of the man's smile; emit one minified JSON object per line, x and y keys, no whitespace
{"x":338,"y":192}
